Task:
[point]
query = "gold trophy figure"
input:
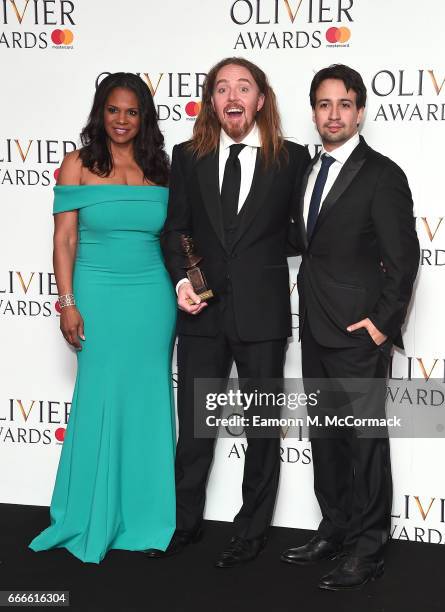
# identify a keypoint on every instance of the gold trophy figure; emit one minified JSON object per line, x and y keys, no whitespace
{"x":194,"y":274}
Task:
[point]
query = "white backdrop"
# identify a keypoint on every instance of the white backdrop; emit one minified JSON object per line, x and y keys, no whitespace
{"x":53,"y":51}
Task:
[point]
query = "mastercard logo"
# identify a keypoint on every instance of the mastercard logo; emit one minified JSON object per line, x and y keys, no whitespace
{"x":57,"y":307}
{"x":192,"y":108}
{"x":62,"y":37}
{"x":56,"y":174}
{"x":60,"y":434}
{"x":338,"y":35}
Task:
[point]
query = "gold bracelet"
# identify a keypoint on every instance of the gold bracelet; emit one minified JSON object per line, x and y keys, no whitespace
{"x":66,"y":300}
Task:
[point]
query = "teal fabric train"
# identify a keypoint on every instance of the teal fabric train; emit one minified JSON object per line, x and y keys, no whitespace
{"x":115,"y":483}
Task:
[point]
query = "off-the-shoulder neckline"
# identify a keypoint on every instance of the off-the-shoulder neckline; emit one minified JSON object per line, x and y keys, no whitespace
{"x":111,"y":185}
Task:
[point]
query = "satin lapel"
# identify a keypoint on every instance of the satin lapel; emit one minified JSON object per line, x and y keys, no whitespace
{"x":208,"y":176}
{"x":261,"y":183}
{"x":303,"y":193}
{"x":343,"y":180}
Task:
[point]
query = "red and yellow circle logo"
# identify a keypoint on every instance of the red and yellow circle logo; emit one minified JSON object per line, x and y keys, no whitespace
{"x":338,"y":35}
{"x":62,"y":37}
{"x":192,"y":108}
{"x":60,"y":434}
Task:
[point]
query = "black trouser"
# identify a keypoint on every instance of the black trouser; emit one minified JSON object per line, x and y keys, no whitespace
{"x":205,"y":357}
{"x":352,"y":474}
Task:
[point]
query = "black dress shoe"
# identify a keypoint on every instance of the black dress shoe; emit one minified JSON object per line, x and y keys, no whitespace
{"x":240,"y":551}
{"x":317,"y":549}
{"x":179,"y":541}
{"x":352,"y":573}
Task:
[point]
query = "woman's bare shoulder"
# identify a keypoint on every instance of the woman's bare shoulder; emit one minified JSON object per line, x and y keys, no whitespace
{"x":71,"y":169}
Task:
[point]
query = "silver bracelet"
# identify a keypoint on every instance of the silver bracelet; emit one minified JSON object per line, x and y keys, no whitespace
{"x":66,"y":300}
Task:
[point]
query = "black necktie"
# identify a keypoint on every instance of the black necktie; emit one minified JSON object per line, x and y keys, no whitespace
{"x":314,"y":206}
{"x":231,"y":185}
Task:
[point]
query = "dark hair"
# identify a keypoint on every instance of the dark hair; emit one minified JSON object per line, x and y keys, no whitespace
{"x":350,"y":77}
{"x":207,"y":128}
{"x":149,"y":151}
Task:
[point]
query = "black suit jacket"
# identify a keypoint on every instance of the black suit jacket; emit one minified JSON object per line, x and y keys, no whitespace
{"x":255,"y":266}
{"x":363,"y":255}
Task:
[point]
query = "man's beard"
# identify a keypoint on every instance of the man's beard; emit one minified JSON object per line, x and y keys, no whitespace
{"x":236,"y":131}
{"x":334,"y":138}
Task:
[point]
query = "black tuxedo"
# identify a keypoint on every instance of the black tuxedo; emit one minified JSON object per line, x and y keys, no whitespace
{"x":363,"y":255}
{"x":248,"y":321}
{"x":361,"y":261}
{"x":255,"y":265}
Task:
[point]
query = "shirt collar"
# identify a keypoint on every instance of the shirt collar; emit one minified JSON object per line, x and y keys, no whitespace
{"x":251,"y":140}
{"x":342,"y":153}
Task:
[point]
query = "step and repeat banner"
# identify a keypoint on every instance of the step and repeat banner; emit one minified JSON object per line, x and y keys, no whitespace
{"x":54,"y":52}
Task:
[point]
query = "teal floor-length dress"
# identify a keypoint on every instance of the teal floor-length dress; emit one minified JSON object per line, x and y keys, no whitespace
{"x":115,"y":482}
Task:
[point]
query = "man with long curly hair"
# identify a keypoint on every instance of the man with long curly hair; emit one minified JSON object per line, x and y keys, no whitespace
{"x":233,"y":186}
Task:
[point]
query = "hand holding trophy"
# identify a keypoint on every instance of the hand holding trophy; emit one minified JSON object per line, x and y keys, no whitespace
{"x":194,"y":274}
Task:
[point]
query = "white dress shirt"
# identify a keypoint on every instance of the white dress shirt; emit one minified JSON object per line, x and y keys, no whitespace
{"x":247,"y":158}
{"x":341,"y":154}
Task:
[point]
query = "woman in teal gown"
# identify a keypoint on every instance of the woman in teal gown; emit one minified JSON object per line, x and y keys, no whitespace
{"x":115,"y":482}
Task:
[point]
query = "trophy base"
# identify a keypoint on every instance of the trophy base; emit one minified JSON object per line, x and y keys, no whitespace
{"x":204,"y":296}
